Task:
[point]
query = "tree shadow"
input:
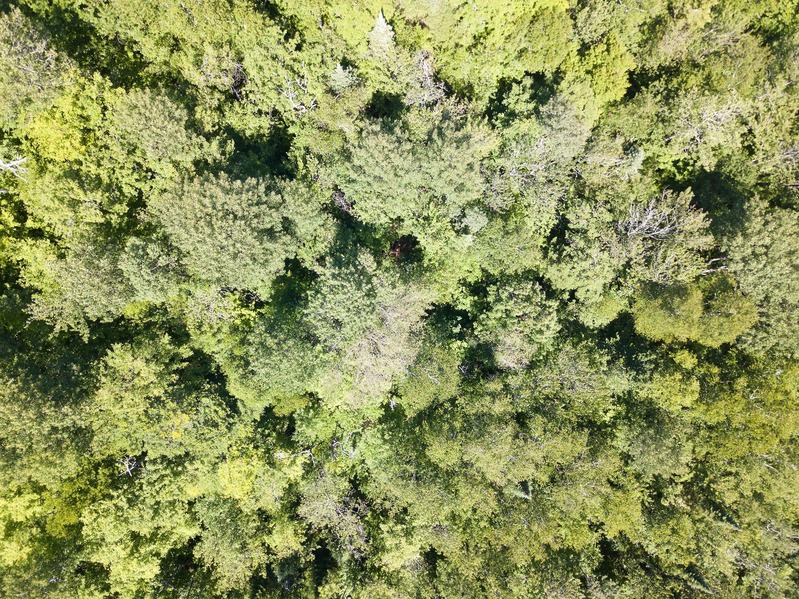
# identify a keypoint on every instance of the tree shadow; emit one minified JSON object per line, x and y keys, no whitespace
{"x":724,"y":200}
{"x":384,"y":106}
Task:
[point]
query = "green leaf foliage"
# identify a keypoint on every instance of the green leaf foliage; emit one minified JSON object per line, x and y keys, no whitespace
{"x":427,"y":299}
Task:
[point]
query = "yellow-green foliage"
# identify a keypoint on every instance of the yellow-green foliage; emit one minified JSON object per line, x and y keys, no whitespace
{"x":433,"y":298}
{"x":711,"y":312}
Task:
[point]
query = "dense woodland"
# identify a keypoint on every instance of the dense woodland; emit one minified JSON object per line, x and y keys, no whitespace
{"x":433,"y":299}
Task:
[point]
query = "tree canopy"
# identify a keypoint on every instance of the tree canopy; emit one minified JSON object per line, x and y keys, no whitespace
{"x":427,"y":299}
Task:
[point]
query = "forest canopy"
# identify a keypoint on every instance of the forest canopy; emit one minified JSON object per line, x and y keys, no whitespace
{"x":431,"y":299}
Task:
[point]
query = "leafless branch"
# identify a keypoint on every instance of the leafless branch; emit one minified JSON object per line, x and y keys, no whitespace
{"x":16,"y":167}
